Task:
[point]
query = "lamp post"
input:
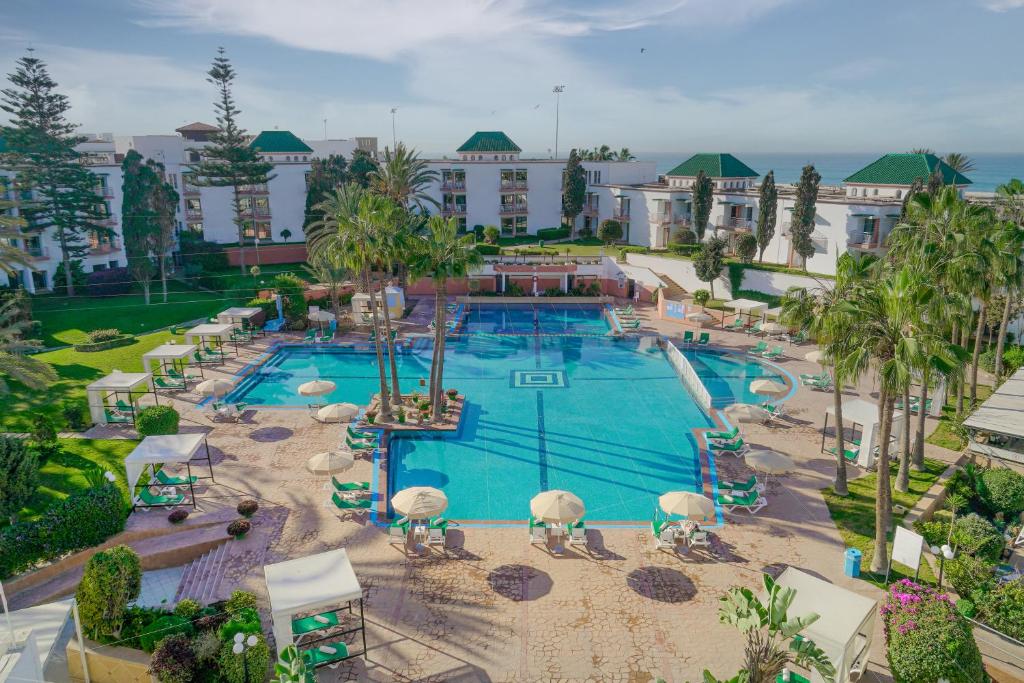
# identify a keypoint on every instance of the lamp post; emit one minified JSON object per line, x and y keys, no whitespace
{"x":944,"y":553}
{"x":558,"y":90}
{"x":241,"y":645}
{"x":256,"y":240}
{"x":394,"y":137}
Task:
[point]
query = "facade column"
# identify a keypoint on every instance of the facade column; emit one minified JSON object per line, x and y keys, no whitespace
{"x":26,"y":278}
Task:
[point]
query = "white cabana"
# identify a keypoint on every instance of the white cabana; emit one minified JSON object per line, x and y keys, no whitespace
{"x":37,"y":652}
{"x":238,"y":314}
{"x":111,"y":399}
{"x":748,"y":306}
{"x":164,"y":450}
{"x":322,"y":584}
{"x":860,"y":413}
{"x":997,"y":425}
{"x":395,"y":299}
{"x":846,"y":624}
{"x":174,"y":356}
{"x":207,"y":332}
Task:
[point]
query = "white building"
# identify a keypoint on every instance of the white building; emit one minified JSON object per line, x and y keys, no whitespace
{"x":488,"y":183}
{"x":855,"y":217}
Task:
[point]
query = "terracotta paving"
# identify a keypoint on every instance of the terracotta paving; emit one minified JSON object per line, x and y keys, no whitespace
{"x":495,"y":608}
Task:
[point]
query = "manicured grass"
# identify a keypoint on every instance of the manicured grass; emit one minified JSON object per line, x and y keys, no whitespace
{"x":81,"y":462}
{"x":944,"y":436}
{"x":579,"y":247}
{"x":854,"y":515}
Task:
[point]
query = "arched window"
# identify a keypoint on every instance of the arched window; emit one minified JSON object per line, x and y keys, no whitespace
{"x":288,"y":158}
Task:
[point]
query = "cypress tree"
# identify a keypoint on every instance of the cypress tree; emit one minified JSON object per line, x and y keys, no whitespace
{"x":137,"y":220}
{"x":325,"y":176}
{"x":41,"y":151}
{"x":709,"y":261}
{"x":767,"y":213}
{"x":164,"y":201}
{"x":229,"y":160}
{"x":703,"y":196}
{"x":803,"y":213}
{"x":574,"y":189}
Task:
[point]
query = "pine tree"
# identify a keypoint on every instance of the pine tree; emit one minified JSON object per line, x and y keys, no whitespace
{"x":703,"y":196}
{"x":229,"y":160}
{"x":41,"y":151}
{"x":767,"y":213}
{"x":574,"y":189}
{"x":362,"y":168}
{"x":325,"y":176}
{"x":19,"y":476}
{"x":137,"y":220}
{"x":804,"y":209}
{"x":710,"y":260}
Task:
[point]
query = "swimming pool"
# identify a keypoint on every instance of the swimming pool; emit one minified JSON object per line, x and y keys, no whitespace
{"x":605,"y":418}
{"x":577,"y":319}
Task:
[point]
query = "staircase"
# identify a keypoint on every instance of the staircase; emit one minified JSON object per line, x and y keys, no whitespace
{"x":673,"y":291}
{"x":202,"y":576}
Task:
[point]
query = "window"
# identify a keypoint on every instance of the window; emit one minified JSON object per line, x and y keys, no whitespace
{"x":98,"y":267}
{"x":521,"y":177}
{"x":462,"y":223}
{"x":507,"y":177}
{"x":196,"y":227}
{"x":597,"y":177}
{"x":251,"y":230}
{"x":305,"y":157}
{"x":507,"y":225}
{"x":245,"y":204}
{"x":262,"y":206}
{"x":520,"y":225}
{"x":307,"y":174}
{"x":193,"y":206}
{"x":288,"y":158}
{"x":874,"y":192}
{"x":113,"y":264}
{"x":899,"y":194}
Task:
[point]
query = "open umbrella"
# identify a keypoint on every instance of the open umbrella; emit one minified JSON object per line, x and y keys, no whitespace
{"x":320,"y":317}
{"x":745,"y":412}
{"x":330,"y":462}
{"x":557,"y":506}
{"x":337,"y":412}
{"x":773,"y":328}
{"x":317,"y":387}
{"x":698,"y":317}
{"x":769,"y":462}
{"x":214,"y":387}
{"x":768,"y":386}
{"x":686,"y":504}
{"x":419,"y":502}
{"x":817,"y":356}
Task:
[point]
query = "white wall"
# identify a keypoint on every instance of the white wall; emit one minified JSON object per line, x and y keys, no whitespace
{"x":681,"y":272}
{"x":779,"y":283}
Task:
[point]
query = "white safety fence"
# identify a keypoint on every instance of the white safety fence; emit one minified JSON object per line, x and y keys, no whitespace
{"x":689,"y":377}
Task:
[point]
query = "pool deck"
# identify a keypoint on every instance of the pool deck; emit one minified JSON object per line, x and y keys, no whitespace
{"x":495,"y":608}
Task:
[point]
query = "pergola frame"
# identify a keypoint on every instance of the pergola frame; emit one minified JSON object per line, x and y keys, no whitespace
{"x":154,"y":442}
{"x":119,"y":386}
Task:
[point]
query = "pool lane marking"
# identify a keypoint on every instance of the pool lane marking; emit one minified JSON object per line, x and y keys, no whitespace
{"x":542,"y":443}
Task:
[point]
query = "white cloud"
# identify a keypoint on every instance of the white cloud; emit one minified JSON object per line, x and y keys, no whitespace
{"x":1002,"y":5}
{"x":856,"y":70}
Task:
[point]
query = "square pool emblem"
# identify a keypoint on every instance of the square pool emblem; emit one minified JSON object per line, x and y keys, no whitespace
{"x":538,"y":379}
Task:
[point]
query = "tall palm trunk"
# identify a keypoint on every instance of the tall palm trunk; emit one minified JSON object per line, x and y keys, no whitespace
{"x":396,"y":391}
{"x":903,"y":476}
{"x":840,"y":483}
{"x":978,"y":333}
{"x":918,"y":459}
{"x":883,"y":504}
{"x":237,"y":204}
{"x":439,"y":323}
{"x":961,"y":380}
{"x":163,"y":275}
{"x":1004,"y":323}
{"x":385,"y":403}
{"x":435,"y":401}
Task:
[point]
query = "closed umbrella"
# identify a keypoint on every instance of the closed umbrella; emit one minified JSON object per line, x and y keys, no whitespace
{"x":768,"y":386}
{"x":420,"y":502}
{"x":317,"y":387}
{"x":330,"y":462}
{"x":337,"y":412}
{"x":557,"y":506}
{"x":687,"y":504}
{"x":214,"y":387}
{"x":816,"y":356}
{"x":773,"y":328}
{"x":745,"y":412}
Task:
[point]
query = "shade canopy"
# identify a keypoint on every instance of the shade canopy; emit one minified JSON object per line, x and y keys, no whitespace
{"x":773,"y":328}
{"x":239,"y":313}
{"x":330,"y":462}
{"x":337,"y":412}
{"x":774,"y":312}
{"x":1003,"y":411}
{"x":748,"y":305}
{"x":317,"y":387}
{"x":557,"y":506}
{"x":169,"y":352}
{"x":210,"y":330}
{"x":816,"y":356}
{"x":308,"y":584}
{"x":745,"y":412}
{"x":686,"y":504}
{"x":860,"y":411}
{"x":419,"y":502}
{"x":160,"y":450}
{"x":120,"y":381}
{"x":769,"y":462}
{"x":768,"y":386}
{"x":214,"y":387}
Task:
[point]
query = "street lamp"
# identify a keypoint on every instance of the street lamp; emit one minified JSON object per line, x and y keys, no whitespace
{"x":241,"y":645}
{"x":256,"y":240}
{"x":558,"y":90}
{"x":394,"y":137}
{"x":944,"y":553}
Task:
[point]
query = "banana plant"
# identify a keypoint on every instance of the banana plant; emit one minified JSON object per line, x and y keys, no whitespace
{"x":291,"y":668}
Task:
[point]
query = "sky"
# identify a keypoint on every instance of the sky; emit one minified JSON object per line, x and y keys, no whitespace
{"x":651,"y":75}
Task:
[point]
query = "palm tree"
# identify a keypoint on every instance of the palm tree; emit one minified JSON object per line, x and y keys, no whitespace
{"x":961,"y":163}
{"x":328,"y":268}
{"x":822,"y":312}
{"x":1010,"y":205}
{"x":14,"y":363}
{"x":624,"y":155}
{"x":404,"y":178}
{"x":10,"y":229}
{"x":443,"y":255}
{"x":393,"y":249}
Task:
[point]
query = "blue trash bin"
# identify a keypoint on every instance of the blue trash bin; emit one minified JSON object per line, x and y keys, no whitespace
{"x":851,"y":565}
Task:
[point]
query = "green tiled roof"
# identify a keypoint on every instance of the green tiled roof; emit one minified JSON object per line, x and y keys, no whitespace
{"x":903,"y":169}
{"x":279,"y":142}
{"x":489,"y":141}
{"x":714,"y":166}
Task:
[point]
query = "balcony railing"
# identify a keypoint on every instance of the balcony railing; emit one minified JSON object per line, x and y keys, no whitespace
{"x":193,"y":213}
{"x":514,"y":185}
{"x":519,"y":207}
{"x":105,"y":246}
{"x":253,"y":189}
{"x":620,"y":215}
{"x":730,"y":223}
{"x":590,"y":209}
{"x":108,"y":221}
{"x":38,"y":253}
{"x":863,"y":240}
{"x":255,"y":212}
{"x":453,"y":210}
{"x":683,"y":221}
{"x":661,"y":218}
{"x":106,"y":192}
{"x":191,"y":191}
{"x":453,"y":185}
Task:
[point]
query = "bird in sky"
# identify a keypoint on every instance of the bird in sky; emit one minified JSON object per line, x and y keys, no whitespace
{"x":643,"y":50}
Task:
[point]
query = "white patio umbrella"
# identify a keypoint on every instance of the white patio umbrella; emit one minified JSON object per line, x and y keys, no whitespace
{"x":773,"y":328}
{"x":214,"y":387}
{"x":816,"y":356}
{"x":699,"y":317}
{"x":330,"y":462}
{"x":419,"y":502}
{"x":768,"y":386}
{"x":745,"y":412}
{"x":557,"y":506}
{"x":686,"y":504}
{"x":337,"y":412}
{"x":320,"y":317}
{"x":769,"y":462}
{"x":317,"y":387}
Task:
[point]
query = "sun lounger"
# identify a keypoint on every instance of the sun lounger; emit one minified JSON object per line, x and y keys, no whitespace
{"x":758,"y":349}
{"x":688,"y":337}
{"x":358,"y":445}
{"x":398,"y":531}
{"x":313,"y":625}
{"x":212,"y":352}
{"x":751,"y":502}
{"x":310,"y":337}
{"x":350,"y":486}
{"x":147,"y":498}
{"x":537,"y":531}
{"x":809,"y":376}
{"x":329,"y":655}
{"x":117,"y":418}
{"x":776,"y":352}
{"x":704,"y":339}
{"x":851,"y":454}
{"x":734,"y":487}
{"x":632,"y":325}
{"x":737,"y":447}
{"x":775,"y":410}
{"x":664,"y":533}
{"x":361,"y":436}
{"x":436,"y":535}
{"x":818,"y":383}
{"x":167,"y":480}
{"x":725,"y":436}
{"x":358,"y":507}
{"x":124,"y":407}
{"x":698,"y":537}
{"x":174,"y":374}
{"x":578,"y":533}
{"x":162,"y":383}
{"x":799,"y":338}
{"x":628,"y":310}
{"x":736,"y":324}
{"x":754,"y":329}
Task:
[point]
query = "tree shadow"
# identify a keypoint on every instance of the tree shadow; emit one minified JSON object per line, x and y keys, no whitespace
{"x":662,"y":584}
{"x":597,"y":547}
{"x":270,"y":434}
{"x":519,"y":582}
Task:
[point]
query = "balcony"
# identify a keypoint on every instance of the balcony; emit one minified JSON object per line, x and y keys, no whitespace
{"x":507,"y":209}
{"x":194,"y":214}
{"x":449,"y":210}
{"x":620,"y":215}
{"x":97,"y":247}
{"x":738,"y":224}
{"x":453,"y":185}
{"x":253,"y":189}
{"x":38,"y":253}
{"x":683,"y":222}
{"x":864,"y":241}
{"x":661,"y":218}
{"x":590,"y":209}
{"x":108,"y":222}
{"x":255,"y":213}
{"x":191,"y":191}
{"x":513,"y":185}
{"x":105,"y":191}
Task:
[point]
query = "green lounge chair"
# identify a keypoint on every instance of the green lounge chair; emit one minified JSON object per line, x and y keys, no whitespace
{"x":850,"y":454}
{"x":737,"y":447}
{"x":820,"y":383}
{"x":688,"y":337}
{"x":628,"y":310}
{"x":350,"y":486}
{"x":439,"y":523}
{"x":325,"y":338}
{"x":819,"y":376}
{"x":326,"y":654}
{"x":631,"y":325}
{"x":727,"y":435}
{"x":759,"y":349}
{"x":174,"y":374}
{"x":735,"y":487}
{"x":357,"y":446}
{"x":356,"y":434}
{"x":352,"y":505}
{"x":663,"y":536}
{"x":799,"y":338}
{"x":398,"y":531}
{"x":538,"y":531}
{"x":736,"y":324}
{"x":776,"y":352}
{"x":124,"y":407}
{"x":167,"y":480}
{"x":751,"y":502}
{"x":162,"y":383}
{"x":775,"y":411}
{"x":704,"y":339}
{"x":116,"y":418}
{"x":150,"y":499}
{"x":312,"y":624}
{"x":755,"y":328}
{"x":310,"y":337}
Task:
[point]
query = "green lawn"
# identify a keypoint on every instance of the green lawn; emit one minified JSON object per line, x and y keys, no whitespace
{"x":579,"y":247}
{"x":80,"y":461}
{"x":944,"y":435}
{"x":854,"y":515}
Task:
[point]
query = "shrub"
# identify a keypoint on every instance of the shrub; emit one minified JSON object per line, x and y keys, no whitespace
{"x":935,"y":531}
{"x":177,"y":516}
{"x":586,"y":233}
{"x":76,"y":414}
{"x":701,"y":297}
{"x":239,"y":528}
{"x":202,"y":256}
{"x":19,"y":476}
{"x":104,"y":335}
{"x":108,"y":282}
{"x":746,"y":247}
{"x":553,"y":233}
{"x":174,"y":661}
{"x":1003,"y":491}
{"x":968,"y":575}
{"x":137,"y":620}
{"x":187,"y":609}
{"x":81,"y":520}
{"x":162,"y":628}
{"x":257,"y":660}
{"x":452,"y":393}
{"x":268,"y":306}
{"x":291,"y":288}
{"x":247,"y":508}
{"x":609,"y":231}
{"x":975,"y":535}
{"x":487,"y":249}
{"x":926,"y":638}
{"x":684,"y":236}
{"x":684,"y":249}
{"x":157,"y":420}
{"x":206,"y":645}
{"x":78,"y":279}
{"x":240,"y":600}
{"x":371,"y":415}
{"x":1002,"y":608}
{"x":44,"y":436}
{"x":112,"y":578}
{"x":491,"y":234}
{"x":245,"y":620}
{"x":966,"y":608}
{"x":211,"y":619}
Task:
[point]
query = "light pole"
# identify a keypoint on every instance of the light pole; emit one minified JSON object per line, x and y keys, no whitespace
{"x":241,"y":645}
{"x":394,"y":137}
{"x":558,"y":90}
{"x":944,"y":553}
{"x":325,"y":129}
{"x":256,"y":240}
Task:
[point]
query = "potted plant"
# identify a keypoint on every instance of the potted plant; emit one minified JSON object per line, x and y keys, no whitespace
{"x":371,"y":415}
{"x":177,"y":516}
{"x":424,"y":416}
{"x":452,"y":393}
{"x":401,"y":415}
{"x":248,"y":507}
{"x":424,"y":406}
{"x":239,"y":528}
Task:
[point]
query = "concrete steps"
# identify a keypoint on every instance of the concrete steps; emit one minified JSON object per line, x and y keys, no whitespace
{"x":202,"y":576}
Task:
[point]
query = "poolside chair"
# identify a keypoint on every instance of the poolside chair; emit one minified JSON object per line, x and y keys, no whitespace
{"x":799,"y":338}
{"x":758,"y":349}
{"x":628,"y":310}
{"x":124,"y":407}
{"x":326,"y":654}
{"x":849,"y":454}
{"x":167,"y":480}
{"x":736,"y":324}
{"x":723,"y":436}
{"x":755,"y":328}
{"x":538,"y":531}
{"x":578,"y":533}
{"x":358,"y":445}
{"x":350,"y":486}
{"x":664,"y":533}
{"x":162,"y":383}
{"x":116,"y":418}
{"x":737,"y":447}
{"x":631,"y":325}
{"x":358,"y":435}
{"x":214,"y":353}
{"x":174,"y":374}
{"x":751,"y":502}
{"x":688,"y":337}
{"x":775,"y":411}
{"x":325,"y":338}
{"x":398,"y":531}
{"x":310,"y":336}
{"x":734,"y":487}
{"x":436,"y":535}
{"x":698,"y":537}
{"x":823,"y":383}
{"x":355,"y":507}
{"x":316,"y":624}
{"x":704,"y":339}
{"x":147,"y":498}
{"x":807,"y":375}
{"x":776,"y":352}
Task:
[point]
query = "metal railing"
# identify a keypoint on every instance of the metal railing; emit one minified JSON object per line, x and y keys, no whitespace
{"x":453,"y":185}
{"x":518,"y":207}
{"x":689,"y":377}
{"x":454,"y":209}
{"x":38,"y":253}
{"x":514,"y":185}
{"x":104,"y":247}
{"x":864,"y":240}
{"x":193,"y":213}
{"x":543,"y":259}
{"x":735,"y":223}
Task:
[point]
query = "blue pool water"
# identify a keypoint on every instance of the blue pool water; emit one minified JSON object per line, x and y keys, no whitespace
{"x":607,"y":419}
{"x":580,"y":319}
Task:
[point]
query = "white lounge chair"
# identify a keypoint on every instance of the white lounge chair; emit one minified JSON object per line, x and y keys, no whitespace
{"x":435,"y":536}
{"x":398,"y":531}
{"x":698,"y":537}
{"x":578,"y":535}
{"x":538,"y":532}
{"x":751,"y":502}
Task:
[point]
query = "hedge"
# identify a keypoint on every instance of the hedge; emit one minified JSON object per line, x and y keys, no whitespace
{"x":92,"y":347}
{"x":553,"y":233}
{"x":1003,"y":491}
{"x":80,"y":521}
{"x":157,"y":421}
{"x":108,"y":282}
{"x":488,"y":249}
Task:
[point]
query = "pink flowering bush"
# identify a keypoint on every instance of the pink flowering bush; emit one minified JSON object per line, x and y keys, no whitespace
{"x":927,"y":639}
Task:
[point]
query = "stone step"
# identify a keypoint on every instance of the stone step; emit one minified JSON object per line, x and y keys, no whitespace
{"x":203,"y":575}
